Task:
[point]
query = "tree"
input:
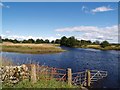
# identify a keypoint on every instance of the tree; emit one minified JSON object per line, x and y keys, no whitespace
{"x":24,"y":41}
{"x":38,"y":41}
{"x":15,"y":41}
{"x":41,"y":40}
{"x":31,"y":41}
{"x":96,"y":42}
{"x":57,"y":41}
{"x":71,"y":41}
{"x":46,"y":41}
{"x":0,"y":39}
{"x":6,"y":39}
{"x":52,"y":41}
{"x":83,"y":42}
{"x":104,"y":44}
{"x":63,"y":41}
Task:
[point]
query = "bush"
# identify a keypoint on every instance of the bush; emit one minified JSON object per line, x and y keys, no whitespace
{"x":104,"y":44}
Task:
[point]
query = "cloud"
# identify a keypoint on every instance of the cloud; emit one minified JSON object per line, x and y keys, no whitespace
{"x":3,"y":6}
{"x":19,"y":37}
{"x":102,"y":9}
{"x":7,"y":32}
{"x":58,"y":34}
{"x":85,"y":9}
{"x":94,"y":32}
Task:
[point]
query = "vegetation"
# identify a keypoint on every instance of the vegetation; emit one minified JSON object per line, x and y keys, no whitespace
{"x":40,"y":84}
{"x":5,"y":61}
{"x":69,"y":42}
{"x":104,"y":44}
{"x":31,"y":48}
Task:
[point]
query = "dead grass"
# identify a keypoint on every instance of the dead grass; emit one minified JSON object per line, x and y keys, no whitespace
{"x":31,"y":48}
{"x":111,"y":47}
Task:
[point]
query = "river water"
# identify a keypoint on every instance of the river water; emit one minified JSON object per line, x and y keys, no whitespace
{"x":78,"y":59}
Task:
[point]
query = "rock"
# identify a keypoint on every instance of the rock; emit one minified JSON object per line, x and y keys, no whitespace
{"x":13,"y":74}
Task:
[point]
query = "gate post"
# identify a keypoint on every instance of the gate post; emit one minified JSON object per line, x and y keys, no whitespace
{"x":88,"y":75}
{"x":69,"y":76}
{"x":33,"y":77}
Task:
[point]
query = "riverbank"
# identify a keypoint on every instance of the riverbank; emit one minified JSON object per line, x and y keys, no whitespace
{"x":31,"y":48}
{"x":111,"y":47}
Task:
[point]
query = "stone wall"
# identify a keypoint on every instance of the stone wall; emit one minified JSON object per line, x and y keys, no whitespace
{"x":14,"y":74}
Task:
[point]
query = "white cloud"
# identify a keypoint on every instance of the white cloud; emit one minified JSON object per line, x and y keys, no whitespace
{"x":7,"y":32}
{"x":85,"y":9}
{"x":94,"y":32}
{"x":58,"y":34}
{"x":3,"y":6}
{"x":101,"y":9}
{"x":19,"y":37}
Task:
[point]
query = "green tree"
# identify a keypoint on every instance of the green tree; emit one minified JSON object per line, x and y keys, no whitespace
{"x":57,"y":41}
{"x":52,"y":41}
{"x":71,"y":41}
{"x":63,"y":41}
{"x":0,"y":39}
{"x":31,"y":41}
{"x":24,"y":41}
{"x":96,"y":42}
{"x":47,"y":41}
{"x":104,"y":44}
{"x":15,"y":41}
{"x":38,"y":41}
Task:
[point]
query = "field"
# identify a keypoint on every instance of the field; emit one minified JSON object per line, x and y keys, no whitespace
{"x":111,"y":47}
{"x":31,"y":48}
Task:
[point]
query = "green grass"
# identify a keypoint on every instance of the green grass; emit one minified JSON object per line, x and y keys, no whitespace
{"x":40,"y":84}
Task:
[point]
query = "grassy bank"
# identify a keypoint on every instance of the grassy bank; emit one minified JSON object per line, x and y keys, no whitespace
{"x":31,"y":48}
{"x":40,"y":84}
{"x":111,"y":47}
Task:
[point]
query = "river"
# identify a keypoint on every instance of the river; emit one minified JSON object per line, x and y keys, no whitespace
{"x":78,"y":59}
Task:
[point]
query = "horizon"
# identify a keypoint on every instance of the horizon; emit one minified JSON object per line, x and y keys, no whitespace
{"x":44,"y":20}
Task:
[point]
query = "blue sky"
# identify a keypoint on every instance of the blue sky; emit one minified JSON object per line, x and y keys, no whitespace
{"x":94,"y":21}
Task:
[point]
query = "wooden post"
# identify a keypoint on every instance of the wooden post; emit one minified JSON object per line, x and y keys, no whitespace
{"x":33,"y":73}
{"x":69,"y":76}
{"x":88,"y":75}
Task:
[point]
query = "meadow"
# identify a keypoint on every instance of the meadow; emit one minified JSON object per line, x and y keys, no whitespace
{"x":110,"y":47}
{"x":31,"y":48}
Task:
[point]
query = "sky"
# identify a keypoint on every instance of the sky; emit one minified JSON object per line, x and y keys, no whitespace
{"x":52,"y":20}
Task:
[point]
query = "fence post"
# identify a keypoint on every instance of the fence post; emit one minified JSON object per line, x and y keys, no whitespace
{"x":88,"y":75}
{"x":69,"y":76}
{"x":33,"y":73}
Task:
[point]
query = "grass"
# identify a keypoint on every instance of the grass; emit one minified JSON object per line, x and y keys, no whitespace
{"x":40,"y":84}
{"x":111,"y":47}
{"x":31,"y":48}
{"x":5,"y":61}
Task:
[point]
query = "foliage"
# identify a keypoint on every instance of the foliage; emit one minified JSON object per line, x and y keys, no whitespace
{"x":46,"y":41}
{"x":38,"y":41}
{"x":52,"y":41}
{"x":63,"y":41}
{"x":96,"y":42}
{"x":71,"y":42}
{"x":40,"y":84}
{"x":57,"y":41}
{"x":104,"y":44}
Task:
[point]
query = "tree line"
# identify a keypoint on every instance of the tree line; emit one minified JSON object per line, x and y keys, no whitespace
{"x":64,"y":41}
{"x":73,"y":42}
